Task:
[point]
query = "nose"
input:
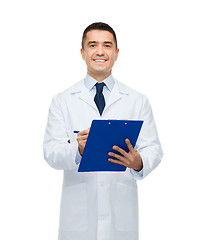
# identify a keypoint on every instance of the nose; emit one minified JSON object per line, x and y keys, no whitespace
{"x":100,"y":50}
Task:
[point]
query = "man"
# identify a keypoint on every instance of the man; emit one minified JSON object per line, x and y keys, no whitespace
{"x":99,"y":205}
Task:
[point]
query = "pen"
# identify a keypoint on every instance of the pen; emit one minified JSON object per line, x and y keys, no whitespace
{"x":76,"y":131}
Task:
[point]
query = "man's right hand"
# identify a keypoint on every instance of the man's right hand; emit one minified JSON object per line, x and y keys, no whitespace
{"x":82,"y":138}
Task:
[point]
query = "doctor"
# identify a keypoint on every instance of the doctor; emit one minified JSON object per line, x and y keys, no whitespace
{"x":99,"y":205}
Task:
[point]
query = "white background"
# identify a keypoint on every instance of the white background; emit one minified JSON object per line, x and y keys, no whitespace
{"x":161,"y":56}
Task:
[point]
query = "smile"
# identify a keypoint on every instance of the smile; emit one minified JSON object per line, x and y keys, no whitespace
{"x":99,"y":60}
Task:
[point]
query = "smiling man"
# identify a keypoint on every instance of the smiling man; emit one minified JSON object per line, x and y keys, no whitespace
{"x":99,"y":205}
{"x":99,"y":50}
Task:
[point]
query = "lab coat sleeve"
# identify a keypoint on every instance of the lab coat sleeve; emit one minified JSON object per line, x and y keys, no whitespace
{"x":59,"y":151}
{"x":148,"y":144}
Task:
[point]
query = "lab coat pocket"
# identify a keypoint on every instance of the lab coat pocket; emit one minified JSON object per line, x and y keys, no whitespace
{"x":73,"y":214}
{"x":126,"y":208}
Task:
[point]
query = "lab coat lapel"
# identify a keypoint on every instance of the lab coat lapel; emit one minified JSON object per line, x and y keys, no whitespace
{"x":116,"y":94}
{"x":84,"y":94}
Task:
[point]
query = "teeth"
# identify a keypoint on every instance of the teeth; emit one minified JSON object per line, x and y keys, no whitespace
{"x":99,"y":60}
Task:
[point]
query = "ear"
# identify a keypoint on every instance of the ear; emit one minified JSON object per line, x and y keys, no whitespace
{"x":82,"y":53}
{"x":116,"y":55}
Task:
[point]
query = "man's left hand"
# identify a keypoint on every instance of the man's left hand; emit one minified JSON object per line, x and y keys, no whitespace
{"x":131,"y":159}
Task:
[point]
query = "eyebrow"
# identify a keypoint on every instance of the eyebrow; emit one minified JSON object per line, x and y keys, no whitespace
{"x":106,"y":42}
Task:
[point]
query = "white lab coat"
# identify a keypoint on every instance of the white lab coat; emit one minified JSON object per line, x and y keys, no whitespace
{"x":98,"y":205}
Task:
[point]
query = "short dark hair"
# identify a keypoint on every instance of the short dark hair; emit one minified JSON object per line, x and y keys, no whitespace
{"x":98,"y":26}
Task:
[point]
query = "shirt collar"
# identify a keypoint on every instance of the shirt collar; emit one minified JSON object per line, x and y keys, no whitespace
{"x":90,"y":82}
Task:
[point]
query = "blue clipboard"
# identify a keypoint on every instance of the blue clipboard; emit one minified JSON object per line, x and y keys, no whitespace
{"x":103,"y":135}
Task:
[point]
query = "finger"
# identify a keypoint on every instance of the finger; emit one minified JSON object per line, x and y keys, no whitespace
{"x":130,"y":146}
{"x":117,"y":161}
{"x":83,"y":142}
{"x":121,"y":158}
{"x":81,"y":138}
{"x":120,"y":150}
{"x":84,"y":132}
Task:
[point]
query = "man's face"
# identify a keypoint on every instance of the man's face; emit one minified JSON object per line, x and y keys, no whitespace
{"x":100,"y":53}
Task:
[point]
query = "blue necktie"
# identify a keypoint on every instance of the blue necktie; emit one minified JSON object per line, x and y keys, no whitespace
{"x":99,"y":97}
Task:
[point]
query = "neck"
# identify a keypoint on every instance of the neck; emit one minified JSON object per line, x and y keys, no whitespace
{"x":99,"y":77}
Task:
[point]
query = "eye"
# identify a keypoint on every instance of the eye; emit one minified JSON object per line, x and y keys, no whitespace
{"x":92,"y":45}
{"x":107,"y":46}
